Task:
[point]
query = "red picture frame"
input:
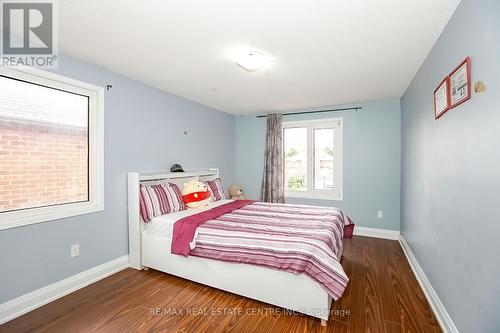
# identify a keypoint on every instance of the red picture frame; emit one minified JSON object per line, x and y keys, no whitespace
{"x":460,"y":90}
{"x":442,"y":88}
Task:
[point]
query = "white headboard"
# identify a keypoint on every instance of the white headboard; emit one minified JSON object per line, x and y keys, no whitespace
{"x":135,"y":224}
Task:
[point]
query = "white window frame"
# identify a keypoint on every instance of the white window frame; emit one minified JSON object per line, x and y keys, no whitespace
{"x":311,"y":192}
{"x":95,"y":203}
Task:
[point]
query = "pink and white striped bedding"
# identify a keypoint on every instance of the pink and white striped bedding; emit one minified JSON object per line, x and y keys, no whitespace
{"x":216,"y":189}
{"x":156,"y":200}
{"x":294,"y":238}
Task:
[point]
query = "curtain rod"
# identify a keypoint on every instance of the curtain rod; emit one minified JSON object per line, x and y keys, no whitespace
{"x":354,"y":108}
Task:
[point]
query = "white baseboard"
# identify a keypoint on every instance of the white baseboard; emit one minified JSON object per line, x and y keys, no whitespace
{"x":35,"y":299}
{"x":440,"y":312}
{"x":377,"y":233}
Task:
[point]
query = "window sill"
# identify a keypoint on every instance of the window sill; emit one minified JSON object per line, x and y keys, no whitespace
{"x":21,"y":218}
{"x":310,"y":195}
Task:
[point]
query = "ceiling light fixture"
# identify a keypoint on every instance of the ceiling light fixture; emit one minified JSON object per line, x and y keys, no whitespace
{"x":253,"y":61}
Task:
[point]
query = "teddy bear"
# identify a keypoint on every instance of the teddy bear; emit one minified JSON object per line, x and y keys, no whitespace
{"x":236,"y":192}
{"x":195,"y":194}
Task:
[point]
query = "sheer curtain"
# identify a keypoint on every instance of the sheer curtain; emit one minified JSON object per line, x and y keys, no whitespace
{"x":272,"y":180}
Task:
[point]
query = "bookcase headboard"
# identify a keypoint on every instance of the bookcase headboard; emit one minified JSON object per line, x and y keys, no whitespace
{"x":135,"y":224}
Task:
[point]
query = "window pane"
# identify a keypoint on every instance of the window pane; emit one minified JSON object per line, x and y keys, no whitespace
{"x":295,"y":159}
{"x":43,"y":146}
{"x":323,"y":158}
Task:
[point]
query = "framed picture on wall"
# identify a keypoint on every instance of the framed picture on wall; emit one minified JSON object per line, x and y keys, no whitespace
{"x":460,"y":83}
{"x":441,"y":98}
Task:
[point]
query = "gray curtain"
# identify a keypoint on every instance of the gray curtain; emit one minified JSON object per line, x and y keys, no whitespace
{"x":272,"y":180}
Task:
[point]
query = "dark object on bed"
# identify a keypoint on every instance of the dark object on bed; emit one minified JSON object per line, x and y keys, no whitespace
{"x":348,"y":231}
{"x":176,"y":168}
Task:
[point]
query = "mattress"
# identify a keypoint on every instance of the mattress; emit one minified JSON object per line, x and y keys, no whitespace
{"x":163,"y":226}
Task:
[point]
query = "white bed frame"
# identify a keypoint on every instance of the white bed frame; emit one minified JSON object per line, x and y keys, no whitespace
{"x":294,"y":292}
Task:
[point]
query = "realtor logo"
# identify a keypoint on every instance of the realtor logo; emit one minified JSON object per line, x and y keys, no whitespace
{"x":28,"y":33}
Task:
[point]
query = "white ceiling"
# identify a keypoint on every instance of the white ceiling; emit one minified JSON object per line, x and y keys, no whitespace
{"x":324,"y":52}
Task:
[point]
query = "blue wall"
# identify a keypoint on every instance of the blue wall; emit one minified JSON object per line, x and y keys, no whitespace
{"x":451,"y":172}
{"x":372,"y":158}
{"x":143,"y":131}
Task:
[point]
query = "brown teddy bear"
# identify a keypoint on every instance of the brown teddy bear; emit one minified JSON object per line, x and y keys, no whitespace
{"x":236,"y":192}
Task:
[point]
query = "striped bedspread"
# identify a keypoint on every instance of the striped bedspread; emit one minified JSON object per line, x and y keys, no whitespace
{"x":293,"y":238}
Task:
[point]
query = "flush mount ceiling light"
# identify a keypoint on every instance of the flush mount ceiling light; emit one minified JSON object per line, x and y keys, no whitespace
{"x":253,"y":60}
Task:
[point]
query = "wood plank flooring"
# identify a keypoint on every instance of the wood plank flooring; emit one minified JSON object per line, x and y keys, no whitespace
{"x":383,"y":296}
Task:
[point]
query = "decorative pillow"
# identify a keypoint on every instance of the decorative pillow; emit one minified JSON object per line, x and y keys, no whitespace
{"x":160,"y":199}
{"x":210,"y":191}
{"x":196,"y":194}
{"x":216,"y":188}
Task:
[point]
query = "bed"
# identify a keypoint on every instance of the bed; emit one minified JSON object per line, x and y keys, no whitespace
{"x":150,"y":246}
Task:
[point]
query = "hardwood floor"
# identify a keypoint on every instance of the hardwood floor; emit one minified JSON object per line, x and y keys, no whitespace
{"x":383,"y":296}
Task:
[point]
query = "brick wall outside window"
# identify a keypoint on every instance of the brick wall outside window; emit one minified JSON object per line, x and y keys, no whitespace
{"x":41,"y":164}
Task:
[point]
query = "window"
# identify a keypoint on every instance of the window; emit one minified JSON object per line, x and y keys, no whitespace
{"x":313,"y":159}
{"x":51,"y":147}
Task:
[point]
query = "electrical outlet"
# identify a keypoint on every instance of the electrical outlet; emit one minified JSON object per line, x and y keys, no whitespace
{"x":380,"y":214}
{"x":75,"y":250}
